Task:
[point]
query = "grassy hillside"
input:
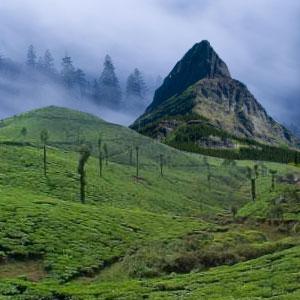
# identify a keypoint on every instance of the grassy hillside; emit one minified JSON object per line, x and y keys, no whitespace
{"x":69,"y":128}
{"x":157,"y":237}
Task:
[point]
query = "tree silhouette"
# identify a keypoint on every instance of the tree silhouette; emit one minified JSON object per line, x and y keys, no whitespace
{"x":44,"y":139}
{"x":136,"y":86}
{"x":296,"y":159}
{"x":100,"y":155}
{"x":137,"y":162}
{"x":85,"y":153}
{"x":48,"y":62}
{"x":23,"y":133}
{"x":253,"y":188}
{"x":109,"y":86}
{"x":233,"y":210}
{"x":273,"y":174}
{"x":256,"y":170}
{"x":105,"y":149}
{"x":31,"y":57}
{"x":161,"y":162}
{"x":68,"y":72}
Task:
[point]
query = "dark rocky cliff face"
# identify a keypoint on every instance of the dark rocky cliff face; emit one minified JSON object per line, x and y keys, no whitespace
{"x":200,"y":84}
{"x":201,"y":61}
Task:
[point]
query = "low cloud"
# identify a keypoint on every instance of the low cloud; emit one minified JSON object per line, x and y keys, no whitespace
{"x":259,"y":40}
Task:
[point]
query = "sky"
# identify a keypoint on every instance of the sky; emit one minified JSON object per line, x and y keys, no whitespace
{"x":258,"y":39}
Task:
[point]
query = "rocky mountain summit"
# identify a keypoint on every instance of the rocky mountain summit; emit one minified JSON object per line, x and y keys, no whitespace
{"x":201,"y":89}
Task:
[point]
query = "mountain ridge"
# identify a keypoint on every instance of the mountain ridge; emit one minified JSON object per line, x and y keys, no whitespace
{"x":214,"y":95}
{"x":208,"y":65}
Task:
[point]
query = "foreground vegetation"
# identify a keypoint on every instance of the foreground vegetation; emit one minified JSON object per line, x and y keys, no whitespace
{"x":193,"y":233}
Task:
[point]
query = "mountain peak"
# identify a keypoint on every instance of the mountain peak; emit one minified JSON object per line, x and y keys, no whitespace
{"x":200,"y":62}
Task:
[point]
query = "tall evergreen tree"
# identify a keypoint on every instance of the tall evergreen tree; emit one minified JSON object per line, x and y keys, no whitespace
{"x":80,"y":81}
{"x":31,"y":57}
{"x":48,"y":62}
{"x":136,"y":86}
{"x":40,"y":64}
{"x":68,"y":72}
{"x":109,"y":86}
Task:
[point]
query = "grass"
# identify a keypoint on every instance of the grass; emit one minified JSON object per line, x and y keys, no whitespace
{"x":169,"y":237}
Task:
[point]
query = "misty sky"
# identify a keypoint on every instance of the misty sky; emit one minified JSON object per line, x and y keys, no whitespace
{"x":258,"y":39}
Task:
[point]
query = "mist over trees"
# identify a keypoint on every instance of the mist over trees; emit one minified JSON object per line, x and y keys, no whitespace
{"x":109,"y":90}
{"x":42,"y":76}
{"x":136,"y":90}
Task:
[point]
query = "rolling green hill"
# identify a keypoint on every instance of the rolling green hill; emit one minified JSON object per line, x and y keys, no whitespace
{"x":156,"y":237}
{"x":69,"y":128}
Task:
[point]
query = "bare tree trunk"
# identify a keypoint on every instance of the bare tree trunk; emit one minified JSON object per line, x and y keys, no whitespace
{"x":161,"y":164}
{"x":45,"y":160}
{"x":273,"y":182}
{"x":253,"y":189}
{"x":100,"y":163}
{"x":137,"y":162}
{"x":130,"y":156}
{"x":82,"y":187}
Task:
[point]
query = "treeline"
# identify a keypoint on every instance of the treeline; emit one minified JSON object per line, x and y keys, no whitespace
{"x":187,"y":138}
{"x":263,"y":153}
{"x":104,"y":90}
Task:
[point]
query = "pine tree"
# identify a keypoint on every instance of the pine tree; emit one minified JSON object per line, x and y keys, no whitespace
{"x":136,"y":86}
{"x":48,"y":62}
{"x":109,"y":87}
{"x":40,"y":64}
{"x":68,"y":72}
{"x":80,"y":81}
{"x":31,"y":57}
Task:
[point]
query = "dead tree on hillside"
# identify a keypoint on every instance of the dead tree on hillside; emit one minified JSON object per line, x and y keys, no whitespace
{"x":137,"y":162}
{"x":105,"y":149}
{"x":161,"y":162}
{"x":253,"y":188}
{"x":44,"y":140}
{"x":273,"y":174}
{"x":130,"y":156}
{"x":85,"y":153}
{"x":23,"y":134}
{"x":100,"y":155}
{"x":252,"y":176}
